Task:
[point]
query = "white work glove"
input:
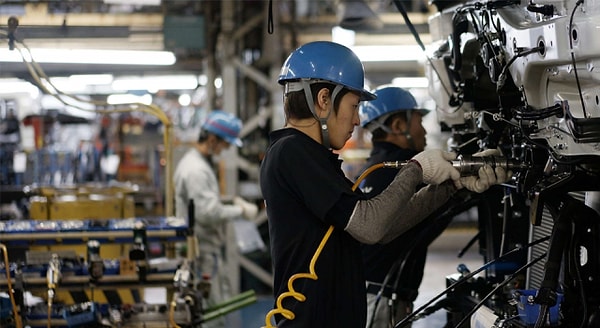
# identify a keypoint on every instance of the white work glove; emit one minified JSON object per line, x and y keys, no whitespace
{"x":249,"y":210}
{"x":436,"y":166}
{"x":488,"y":152}
{"x":486,"y":176}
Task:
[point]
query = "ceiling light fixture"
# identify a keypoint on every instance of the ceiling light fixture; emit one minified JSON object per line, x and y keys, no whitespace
{"x":92,"y":56}
{"x":133,"y":2}
{"x":120,"y":99}
{"x":14,"y":86}
{"x":155,"y":83}
{"x":389,"y":53}
{"x":410,"y":82}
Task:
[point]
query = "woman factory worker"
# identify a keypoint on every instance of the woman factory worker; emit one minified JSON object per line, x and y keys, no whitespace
{"x":306,"y":192}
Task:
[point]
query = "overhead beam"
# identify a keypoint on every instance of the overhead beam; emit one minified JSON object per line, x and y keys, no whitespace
{"x":38,"y":14}
{"x":47,"y":32}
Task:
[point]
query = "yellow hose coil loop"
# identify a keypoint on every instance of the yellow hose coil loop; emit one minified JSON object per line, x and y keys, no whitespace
{"x":288,"y":314}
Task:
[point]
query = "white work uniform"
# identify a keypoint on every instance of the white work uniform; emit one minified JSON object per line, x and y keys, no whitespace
{"x":195,"y":179}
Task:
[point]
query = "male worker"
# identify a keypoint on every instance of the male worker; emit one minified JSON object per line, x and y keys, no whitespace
{"x":395,"y":122}
{"x":195,"y":180}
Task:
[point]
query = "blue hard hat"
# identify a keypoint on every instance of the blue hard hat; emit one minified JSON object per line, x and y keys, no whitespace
{"x":327,"y":61}
{"x":225,"y":125}
{"x":390,"y":99}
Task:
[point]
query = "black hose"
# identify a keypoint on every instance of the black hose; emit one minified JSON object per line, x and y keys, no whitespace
{"x":500,"y":285}
{"x":505,"y":217}
{"x":445,"y":212}
{"x":408,"y":318}
{"x":561,"y":231}
{"x":415,"y":34}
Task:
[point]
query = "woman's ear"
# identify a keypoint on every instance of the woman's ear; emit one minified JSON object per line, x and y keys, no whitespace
{"x":323,"y":99}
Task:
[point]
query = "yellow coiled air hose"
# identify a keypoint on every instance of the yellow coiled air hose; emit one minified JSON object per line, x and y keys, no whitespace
{"x":288,"y":314}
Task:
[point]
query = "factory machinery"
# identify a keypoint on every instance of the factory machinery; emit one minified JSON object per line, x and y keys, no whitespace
{"x":81,"y":257}
{"x":97,"y":272}
{"x":515,"y":76}
{"x":521,"y":78}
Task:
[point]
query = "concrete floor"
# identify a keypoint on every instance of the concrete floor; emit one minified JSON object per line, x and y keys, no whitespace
{"x":442,"y":260}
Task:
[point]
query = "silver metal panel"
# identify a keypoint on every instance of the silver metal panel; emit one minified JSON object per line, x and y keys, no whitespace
{"x":535,"y":274}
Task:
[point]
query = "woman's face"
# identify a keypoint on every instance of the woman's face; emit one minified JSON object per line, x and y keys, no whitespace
{"x":341,"y":125}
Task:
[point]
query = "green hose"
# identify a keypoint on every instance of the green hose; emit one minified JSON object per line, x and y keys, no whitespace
{"x":237,"y":302}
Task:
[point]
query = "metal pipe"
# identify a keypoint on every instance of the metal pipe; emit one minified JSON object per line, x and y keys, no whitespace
{"x":469,"y":165}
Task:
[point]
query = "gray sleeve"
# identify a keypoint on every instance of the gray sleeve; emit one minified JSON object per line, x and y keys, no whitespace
{"x":398,"y":208}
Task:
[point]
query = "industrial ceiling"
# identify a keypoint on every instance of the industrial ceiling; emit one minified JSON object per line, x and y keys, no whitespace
{"x":169,"y":25}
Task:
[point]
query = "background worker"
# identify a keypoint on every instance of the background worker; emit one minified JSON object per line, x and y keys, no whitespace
{"x":397,"y":134}
{"x":306,"y":191}
{"x":195,"y":179}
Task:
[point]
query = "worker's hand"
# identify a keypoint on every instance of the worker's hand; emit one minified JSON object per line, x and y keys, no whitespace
{"x":486,"y":176}
{"x":249,"y":210}
{"x":436,"y":166}
{"x":488,"y":152}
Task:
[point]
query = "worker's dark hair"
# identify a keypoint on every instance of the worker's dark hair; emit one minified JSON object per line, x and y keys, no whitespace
{"x":295,"y":105}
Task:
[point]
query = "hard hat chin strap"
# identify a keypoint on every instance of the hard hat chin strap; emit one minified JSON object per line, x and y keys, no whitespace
{"x":374,"y":125}
{"x":311,"y":105}
{"x":379,"y":124}
{"x":324,"y":131}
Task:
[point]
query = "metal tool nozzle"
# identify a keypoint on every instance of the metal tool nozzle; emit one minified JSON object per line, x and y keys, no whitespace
{"x":470,"y":165}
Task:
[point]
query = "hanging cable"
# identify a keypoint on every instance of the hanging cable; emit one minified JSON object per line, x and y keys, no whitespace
{"x":498,"y":287}
{"x":465,"y":278}
{"x":577,"y":4}
{"x":396,"y":267}
{"x":414,"y":32}
{"x":43,"y":82}
{"x":399,"y":264}
{"x":506,"y":200}
{"x":270,"y":28}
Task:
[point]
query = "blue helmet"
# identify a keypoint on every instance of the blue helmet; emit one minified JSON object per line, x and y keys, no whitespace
{"x":326,"y":61}
{"x":225,"y":125}
{"x":389,"y":100}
